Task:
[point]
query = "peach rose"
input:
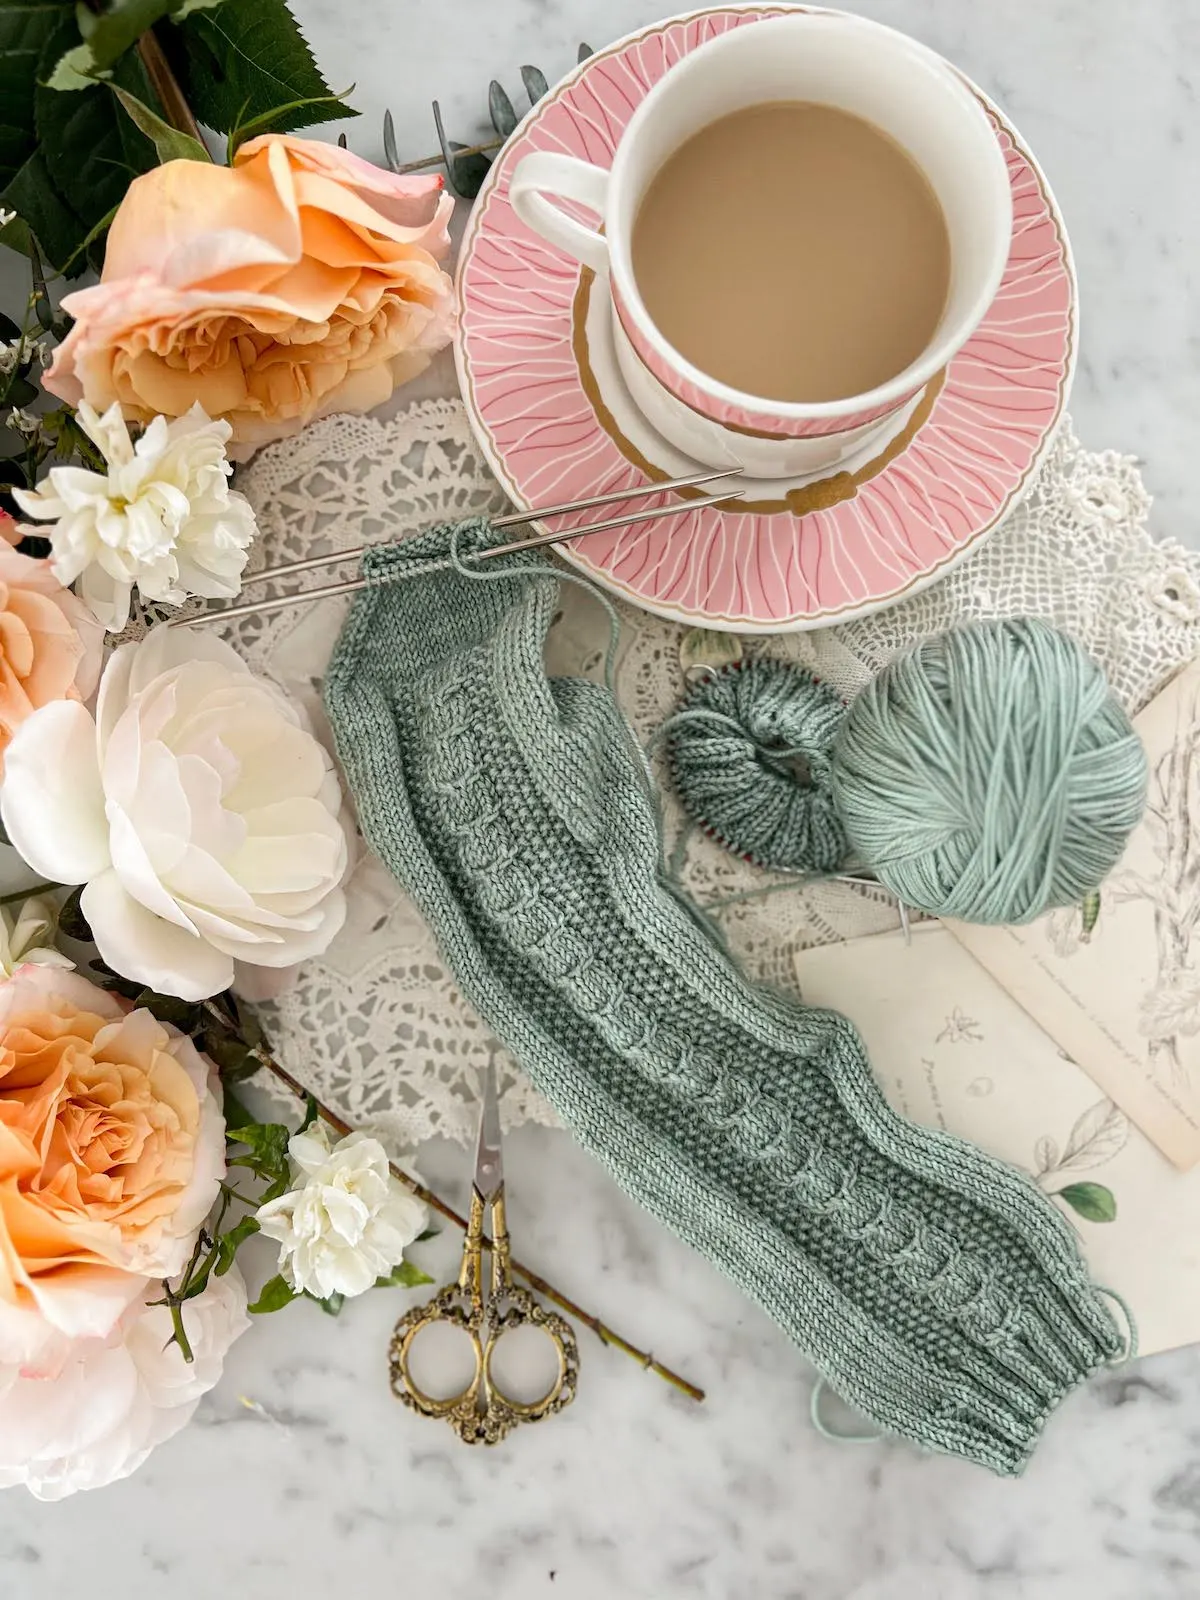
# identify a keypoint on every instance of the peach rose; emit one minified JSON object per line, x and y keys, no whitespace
{"x":301,"y":280}
{"x":112,"y":1148}
{"x":50,"y":643}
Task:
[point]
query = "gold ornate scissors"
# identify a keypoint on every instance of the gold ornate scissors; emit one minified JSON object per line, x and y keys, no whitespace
{"x":482,"y":1413}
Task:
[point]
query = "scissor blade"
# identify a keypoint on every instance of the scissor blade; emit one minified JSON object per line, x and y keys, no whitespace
{"x":489,"y":1170}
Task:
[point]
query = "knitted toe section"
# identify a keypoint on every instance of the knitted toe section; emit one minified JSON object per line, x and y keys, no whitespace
{"x":934,"y":1287}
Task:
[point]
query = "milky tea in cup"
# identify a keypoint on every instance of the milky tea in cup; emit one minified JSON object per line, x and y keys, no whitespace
{"x":793,"y":250}
{"x":806,"y":217}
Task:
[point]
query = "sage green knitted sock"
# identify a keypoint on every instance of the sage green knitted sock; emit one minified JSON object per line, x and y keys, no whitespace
{"x":935,"y":1288}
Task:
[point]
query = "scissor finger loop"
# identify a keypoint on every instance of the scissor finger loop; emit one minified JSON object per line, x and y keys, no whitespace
{"x":519,"y":1309}
{"x":446,"y":1309}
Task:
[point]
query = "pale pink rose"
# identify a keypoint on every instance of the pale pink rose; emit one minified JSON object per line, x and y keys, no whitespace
{"x":113,"y":1400}
{"x":300,"y":281}
{"x":112,"y":1149}
{"x":10,"y":530}
{"x":50,"y":644}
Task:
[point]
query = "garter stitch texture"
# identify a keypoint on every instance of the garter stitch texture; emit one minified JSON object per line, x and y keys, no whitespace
{"x":935,"y":1288}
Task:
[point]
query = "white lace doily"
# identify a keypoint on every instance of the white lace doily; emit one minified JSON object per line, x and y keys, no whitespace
{"x":376,"y":1026}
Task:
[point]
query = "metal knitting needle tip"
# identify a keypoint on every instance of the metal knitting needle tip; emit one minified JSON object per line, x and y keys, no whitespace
{"x":512,"y":519}
{"x":280,"y":602}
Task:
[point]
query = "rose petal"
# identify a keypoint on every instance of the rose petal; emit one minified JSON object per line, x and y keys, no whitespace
{"x":52,"y":802}
{"x":139,"y":945}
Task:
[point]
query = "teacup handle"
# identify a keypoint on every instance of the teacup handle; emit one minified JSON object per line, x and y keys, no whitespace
{"x":546,"y":170}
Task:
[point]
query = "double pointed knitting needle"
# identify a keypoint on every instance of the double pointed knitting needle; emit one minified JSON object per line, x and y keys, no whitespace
{"x":512,"y":519}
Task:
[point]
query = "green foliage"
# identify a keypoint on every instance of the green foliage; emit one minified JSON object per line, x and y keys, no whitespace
{"x":65,"y":159}
{"x":229,"y":1243}
{"x":331,"y":1305}
{"x":274,"y":1295}
{"x":403,"y":1276}
{"x":71,"y":921}
{"x":1093,"y":1201}
{"x":169,"y":144}
{"x":108,"y":34}
{"x":535,"y":83}
{"x":248,"y":60}
{"x":501,"y":109}
{"x":270,"y":121}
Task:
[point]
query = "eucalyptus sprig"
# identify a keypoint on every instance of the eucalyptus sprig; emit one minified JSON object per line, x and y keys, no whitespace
{"x":467,"y":165}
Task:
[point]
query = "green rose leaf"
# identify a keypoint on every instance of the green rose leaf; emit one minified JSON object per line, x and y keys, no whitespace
{"x":169,"y":143}
{"x":331,"y":1305}
{"x":81,"y":151}
{"x":242,"y":62}
{"x":72,"y":923}
{"x":403,"y":1276}
{"x":275,"y":1294}
{"x":229,"y":1244}
{"x":1093,"y":1201}
{"x":266,"y":1143}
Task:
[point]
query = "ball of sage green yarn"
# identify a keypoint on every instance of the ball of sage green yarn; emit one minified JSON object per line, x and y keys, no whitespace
{"x":990,"y":773}
{"x":749,"y":753}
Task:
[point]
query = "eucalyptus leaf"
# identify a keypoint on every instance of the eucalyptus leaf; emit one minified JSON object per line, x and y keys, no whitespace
{"x":242,"y":62}
{"x":274,"y":1295}
{"x":1093,"y":1201}
{"x":535,"y":83}
{"x":501,"y":110}
{"x":585,"y":50}
{"x":169,"y":143}
{"x":465,"y":173}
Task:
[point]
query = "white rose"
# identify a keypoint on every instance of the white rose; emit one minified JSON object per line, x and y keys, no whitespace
{"x":115,"y":1399}
{"x":348,"y":1223}
{"x":196,"y":806}
{"x":162,"y":519}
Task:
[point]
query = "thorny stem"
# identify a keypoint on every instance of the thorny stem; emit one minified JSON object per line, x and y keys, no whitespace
{"x":166,"y":86}
{"x":603,"y":1332}
{"x":27,"y":894}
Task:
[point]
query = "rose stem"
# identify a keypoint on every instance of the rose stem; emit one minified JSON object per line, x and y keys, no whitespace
{"x":166,"y":86}
{"x":603,"y":1332}
{"x":27,"y":894}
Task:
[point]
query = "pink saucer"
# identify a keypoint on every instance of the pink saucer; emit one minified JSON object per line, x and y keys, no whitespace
{"x":548,"y":406}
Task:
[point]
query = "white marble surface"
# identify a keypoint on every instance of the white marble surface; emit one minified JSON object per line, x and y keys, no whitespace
{"x":326,"y":1485}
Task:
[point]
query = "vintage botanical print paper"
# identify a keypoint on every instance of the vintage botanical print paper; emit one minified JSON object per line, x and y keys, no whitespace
{"x":1116,"y":981}
{"x":952,"y":1050}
